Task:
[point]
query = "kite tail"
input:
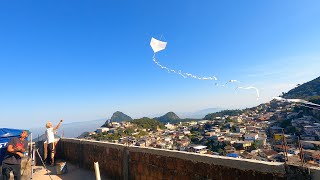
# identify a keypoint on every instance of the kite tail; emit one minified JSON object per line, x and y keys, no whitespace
{"x":183,"y":74}
{"x":250,"y":87}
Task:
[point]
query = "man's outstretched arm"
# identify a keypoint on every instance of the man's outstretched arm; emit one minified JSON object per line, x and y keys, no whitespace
{"x":57,"y":127}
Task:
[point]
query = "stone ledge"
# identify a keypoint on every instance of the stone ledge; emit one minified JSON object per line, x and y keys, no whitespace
{"x":243,"y":164}
{"x":141,"y":159}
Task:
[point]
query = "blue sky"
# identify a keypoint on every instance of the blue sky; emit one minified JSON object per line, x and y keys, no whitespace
{"x":84,"y":60}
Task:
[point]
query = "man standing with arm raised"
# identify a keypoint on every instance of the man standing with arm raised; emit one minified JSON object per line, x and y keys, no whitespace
{"x":12,"y":160}
{"x":50,"y":141}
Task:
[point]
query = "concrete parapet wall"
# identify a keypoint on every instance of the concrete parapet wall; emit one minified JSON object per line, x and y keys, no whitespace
{"x":117,"y":161}
{"x":85,"y":153}
{"x":165,"y":164}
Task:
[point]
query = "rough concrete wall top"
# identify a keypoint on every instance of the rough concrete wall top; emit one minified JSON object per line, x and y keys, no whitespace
{"x":96,"y":143}
{"x":315,"y":172}
{"x":243,"y":164}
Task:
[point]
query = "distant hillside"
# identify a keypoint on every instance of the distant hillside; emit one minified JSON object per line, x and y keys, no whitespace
{"x":118,"y":117}
{"x":169,"y":117}
{"x":83,"y":135}
{"x":212,"y":116}
{"x":309,"y":91}
{"x":198,"y":114}
{"x":305,"y":91}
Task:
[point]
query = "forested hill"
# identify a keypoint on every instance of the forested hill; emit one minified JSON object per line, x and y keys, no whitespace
{"x":117,"y":117}
{"x":305,"y":91}
{"x":147,"y":123}
{"x":169,"y":117}
{"x":212,"y":116}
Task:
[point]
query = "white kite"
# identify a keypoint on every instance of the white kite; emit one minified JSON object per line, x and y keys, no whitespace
{"x":158,"y":45}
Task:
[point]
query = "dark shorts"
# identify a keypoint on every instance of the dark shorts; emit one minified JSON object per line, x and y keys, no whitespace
{"x":50,"y":150}
{"x":7,"y":168}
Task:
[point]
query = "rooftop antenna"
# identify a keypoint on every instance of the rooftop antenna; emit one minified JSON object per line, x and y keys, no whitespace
{"x":285,"y":150}
{"x":301,"y":152}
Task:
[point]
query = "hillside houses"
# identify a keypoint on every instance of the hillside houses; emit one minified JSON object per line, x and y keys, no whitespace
{"x":257,"y":133}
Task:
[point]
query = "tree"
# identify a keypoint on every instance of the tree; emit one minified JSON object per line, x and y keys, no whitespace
{"x":254,"y":146}
{"x":207,"y":126}
{"x":228,"y":119}
{"x":285,"y":123}
{"x":148,"y":123}
{"x":291,"y":129}
{"x":195,"y":140}
{"x":143,"y":133}
{"x":113,"y":136}
{"x":221,"y":151}
{"x":120,"y":132}
{"x":212,"y":116}
{"x":129,"y":131}
{"x":215,"y":146}
{"x":233,"y":129}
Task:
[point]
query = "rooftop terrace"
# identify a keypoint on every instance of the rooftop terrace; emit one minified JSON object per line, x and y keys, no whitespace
{"x":117,"y":161}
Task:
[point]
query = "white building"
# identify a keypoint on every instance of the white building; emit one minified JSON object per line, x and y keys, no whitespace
{"x":186,"y":132}
{"x":102,"y":129}
{"x":241,"y":129}
{"x":251,"y":137}
{"x":199,"y":149}
{"x":293,"y":151}
{"x":170,"y":126}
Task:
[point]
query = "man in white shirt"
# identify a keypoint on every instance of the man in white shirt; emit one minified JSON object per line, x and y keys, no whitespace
{"x":50,"y":141}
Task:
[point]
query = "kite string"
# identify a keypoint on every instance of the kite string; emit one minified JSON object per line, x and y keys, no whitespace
{"x":250,"y":87}
{"x":240,"y":87}
{"x":184,"y":75}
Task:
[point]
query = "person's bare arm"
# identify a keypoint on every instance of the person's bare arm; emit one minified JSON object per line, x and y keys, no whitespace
{"x":20,"y":154}
{"x":13,"y":150}
{"x":20,"y":149}
{"x":57,"y":127}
